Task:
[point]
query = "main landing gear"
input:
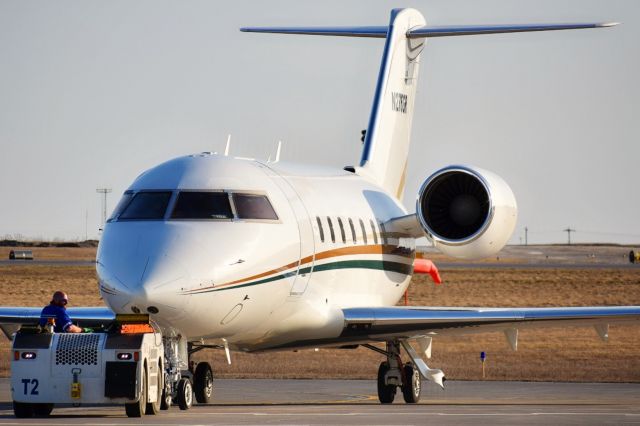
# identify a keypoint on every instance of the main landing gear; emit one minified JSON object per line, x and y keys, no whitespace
{"x":202,"y":374}
{"x":394,"y":374}
{"x":203,"y":383}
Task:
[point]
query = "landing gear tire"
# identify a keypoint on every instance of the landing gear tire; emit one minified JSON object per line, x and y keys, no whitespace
{"x":22,"y":410}
{"x":386,"y":393}
{"x":136,"y":409}
{"x":203,"y":383}
{"x":153,"y":408}
{"x":42,"y":409}
{"x":166,"y":399}
{"x":185,"y":394}
{"x":411,"y":385}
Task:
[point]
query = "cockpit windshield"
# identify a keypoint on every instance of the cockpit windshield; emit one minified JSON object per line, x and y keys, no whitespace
{"x":194,"y":205}
{"x":147,"y":205}
{"x":202,"y":205}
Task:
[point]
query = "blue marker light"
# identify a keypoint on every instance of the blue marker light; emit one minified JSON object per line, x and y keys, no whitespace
{"x":483,"y":356}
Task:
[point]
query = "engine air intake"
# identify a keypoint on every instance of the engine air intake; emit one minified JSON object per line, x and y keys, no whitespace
{"x":455,"y":205}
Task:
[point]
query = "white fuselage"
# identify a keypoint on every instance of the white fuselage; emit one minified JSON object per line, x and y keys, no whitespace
{"x":257,"y":283}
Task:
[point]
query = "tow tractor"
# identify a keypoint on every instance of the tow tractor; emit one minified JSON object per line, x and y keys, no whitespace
{"x":128,"y":362}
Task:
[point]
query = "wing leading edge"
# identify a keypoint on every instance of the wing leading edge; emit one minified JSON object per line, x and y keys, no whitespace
{"x":384,"y":323}
{"x":12,"y":317}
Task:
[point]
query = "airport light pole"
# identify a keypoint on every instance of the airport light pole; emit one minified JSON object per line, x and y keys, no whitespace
{"x":526,"y":236}
{"x":569,"y":231}
{"x":104,"y":192}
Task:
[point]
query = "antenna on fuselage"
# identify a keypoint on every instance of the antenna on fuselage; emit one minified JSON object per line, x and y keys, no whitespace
{"x":226,"y":149}
{"x":278,"y":151}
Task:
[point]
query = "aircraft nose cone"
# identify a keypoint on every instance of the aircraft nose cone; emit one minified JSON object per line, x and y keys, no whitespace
{"x":137,"y":272}
{"x":153,"y":288}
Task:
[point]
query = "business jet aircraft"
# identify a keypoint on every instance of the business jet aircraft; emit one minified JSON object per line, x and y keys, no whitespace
{"x":255,"y":255}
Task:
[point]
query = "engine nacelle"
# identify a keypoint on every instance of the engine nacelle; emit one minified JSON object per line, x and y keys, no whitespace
{"x":468,"y":213}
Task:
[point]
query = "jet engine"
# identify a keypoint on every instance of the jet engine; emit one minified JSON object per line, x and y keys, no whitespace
{"x":467,"y":212}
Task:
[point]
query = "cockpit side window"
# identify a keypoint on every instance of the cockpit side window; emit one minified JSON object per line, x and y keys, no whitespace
{"x":124,"y":202}
{"x":202,"y":205}
{"x":253,"y":206}
{"x":147,"y":206}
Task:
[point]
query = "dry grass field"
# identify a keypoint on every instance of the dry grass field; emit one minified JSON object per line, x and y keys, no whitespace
{"x":569,"y":354}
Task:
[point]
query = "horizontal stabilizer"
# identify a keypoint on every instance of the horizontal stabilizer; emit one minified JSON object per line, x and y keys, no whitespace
{"x":447,"y":31}
{"x":377,"y":32}
{"x":425,"y":32}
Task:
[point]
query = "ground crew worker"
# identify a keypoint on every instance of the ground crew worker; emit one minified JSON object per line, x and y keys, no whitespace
{"x":56,"y":309}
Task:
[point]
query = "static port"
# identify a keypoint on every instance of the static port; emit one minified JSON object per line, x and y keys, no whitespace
{"x":135,"y":309}
{"x":152,"y":310}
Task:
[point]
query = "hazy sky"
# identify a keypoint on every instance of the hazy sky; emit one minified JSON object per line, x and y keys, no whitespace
{"x":93,"y":93}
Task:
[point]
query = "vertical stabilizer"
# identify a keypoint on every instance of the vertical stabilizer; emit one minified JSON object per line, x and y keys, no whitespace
{"x":386,"y":145}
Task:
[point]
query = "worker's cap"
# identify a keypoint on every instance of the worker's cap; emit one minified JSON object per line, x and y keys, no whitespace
{"x":60,"y":298}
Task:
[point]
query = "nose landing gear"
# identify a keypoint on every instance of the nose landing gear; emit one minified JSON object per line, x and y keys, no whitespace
{"x":183,"y":378}
{"x":184,"y":396}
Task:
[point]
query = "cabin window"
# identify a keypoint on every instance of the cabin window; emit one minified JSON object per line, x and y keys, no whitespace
{"x":342,"y":234}
{"x":147,"y":206}
{"x":202,"y":205}
{"x":253,"y":206}
{"x":373,"y":229}
{"x":320,"y":230}
{"x":353,"y":232}
{"x":383,"y":234}
{"x":124,"y":201}
{"x":333,"y":235}
{"x":364,"y":231}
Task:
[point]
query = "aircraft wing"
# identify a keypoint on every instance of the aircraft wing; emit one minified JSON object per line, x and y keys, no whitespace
{"x":12,"y":317}
{"x":385,"y":323}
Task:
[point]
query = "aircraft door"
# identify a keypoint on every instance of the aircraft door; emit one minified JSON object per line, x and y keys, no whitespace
{"x":305,"y":230}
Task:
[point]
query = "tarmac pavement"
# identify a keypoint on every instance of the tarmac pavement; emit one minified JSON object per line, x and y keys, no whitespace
{"x":354,"y":402}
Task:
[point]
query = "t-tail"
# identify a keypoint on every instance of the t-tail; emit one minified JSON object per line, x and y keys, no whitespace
{"x":386,"y":145}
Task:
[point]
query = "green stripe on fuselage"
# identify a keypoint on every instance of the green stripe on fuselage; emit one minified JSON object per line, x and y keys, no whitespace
{"x":401,"y":268}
